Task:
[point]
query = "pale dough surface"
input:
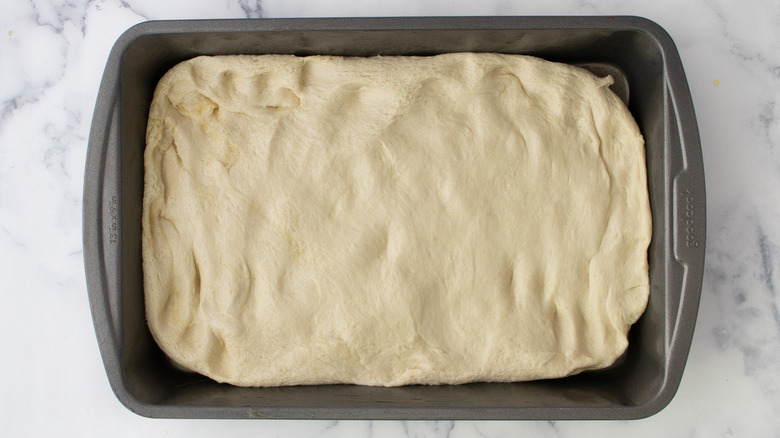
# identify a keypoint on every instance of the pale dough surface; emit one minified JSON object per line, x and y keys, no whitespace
{"x":392,"y":220}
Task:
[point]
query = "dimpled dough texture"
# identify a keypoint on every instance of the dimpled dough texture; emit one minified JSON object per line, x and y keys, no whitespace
{"x":392,"y":220}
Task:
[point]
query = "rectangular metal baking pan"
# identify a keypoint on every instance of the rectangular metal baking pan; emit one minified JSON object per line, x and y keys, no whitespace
{"x":641,"y":384}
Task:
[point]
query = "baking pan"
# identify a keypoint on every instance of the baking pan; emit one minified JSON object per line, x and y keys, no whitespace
{"x":641,"y":384}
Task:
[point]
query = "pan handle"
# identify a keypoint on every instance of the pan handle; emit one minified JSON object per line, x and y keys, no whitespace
{"x":688,"y":215}
{"x":101,"y":222}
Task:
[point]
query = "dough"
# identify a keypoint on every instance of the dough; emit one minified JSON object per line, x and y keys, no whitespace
{"x":392,"y":220}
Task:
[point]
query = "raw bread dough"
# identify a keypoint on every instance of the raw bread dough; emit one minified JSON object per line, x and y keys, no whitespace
{"x":392,"y":220}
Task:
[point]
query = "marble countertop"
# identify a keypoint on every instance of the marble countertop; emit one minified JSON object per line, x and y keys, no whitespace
{"x":52,"y":55}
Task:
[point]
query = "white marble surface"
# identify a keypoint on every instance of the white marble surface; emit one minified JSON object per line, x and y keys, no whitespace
{"x":52,"y":55}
